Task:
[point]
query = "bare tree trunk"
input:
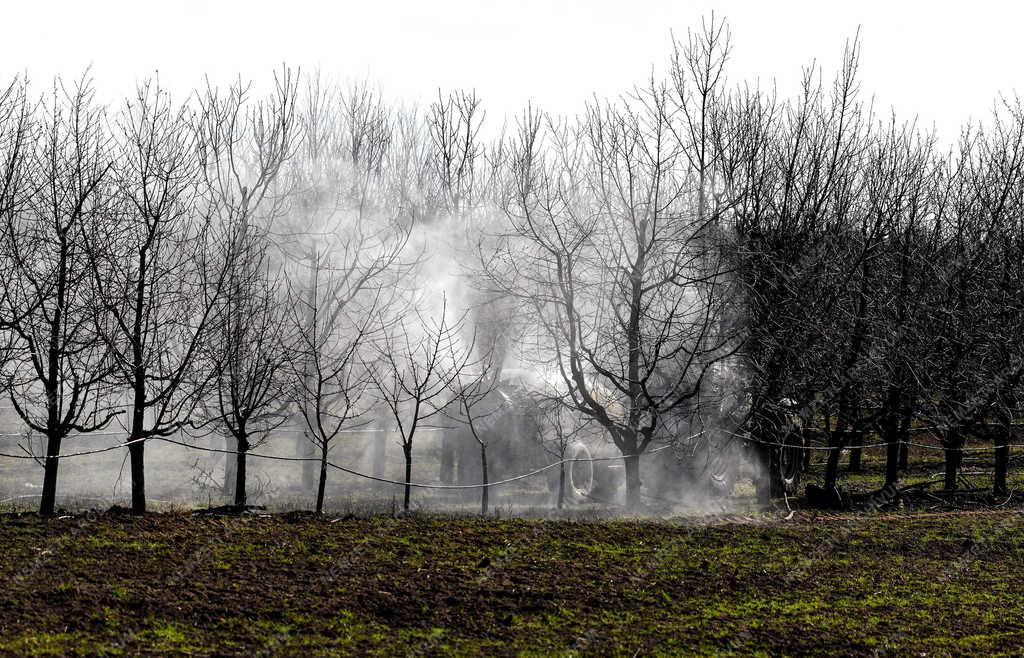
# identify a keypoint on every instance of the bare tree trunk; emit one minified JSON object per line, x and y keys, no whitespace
{"x":632,"y":463}
{"x":242,"y":449}
{"x":322,"y":486}
{"x":136,"y":454}
{"x":856,"y":451}
{"x":48,"y":501}
{"x":407,"y":449}
{"x":306,"y":448}
{"x":837,"y":442}
{"x":53,"y":438}
{"x":137,"y":449}
{"x":953,"y":454}
{"x":485,"y":489}
{"x":560,"y":502}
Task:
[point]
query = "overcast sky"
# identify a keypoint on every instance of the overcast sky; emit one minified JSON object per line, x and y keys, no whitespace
{"x":942,"y":62}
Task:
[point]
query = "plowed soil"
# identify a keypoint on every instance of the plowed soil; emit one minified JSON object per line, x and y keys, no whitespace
{"x":298,"y":585}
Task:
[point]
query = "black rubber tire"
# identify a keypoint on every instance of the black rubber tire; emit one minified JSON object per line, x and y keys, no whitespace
{"x":580,"y":476}
{"x":791,"y":462}
{"x":586,"y":481}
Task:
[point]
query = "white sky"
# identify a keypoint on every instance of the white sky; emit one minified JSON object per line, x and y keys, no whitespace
{"x":941,"y":61}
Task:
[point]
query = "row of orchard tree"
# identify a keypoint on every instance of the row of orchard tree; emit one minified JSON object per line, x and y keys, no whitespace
{"x":815,"y":257}
{"x":234,"y":261}
{"x":200,"y":264}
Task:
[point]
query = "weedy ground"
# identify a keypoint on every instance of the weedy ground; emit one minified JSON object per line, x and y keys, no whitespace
{"x":298,"y":585}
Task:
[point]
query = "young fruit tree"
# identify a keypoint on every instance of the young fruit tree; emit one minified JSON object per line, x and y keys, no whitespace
{"x":146,"y":261}
{"x":248,"y":350}
{"x":417,"y":367}
{"x":333,"y":323}
{"x":340,"y":236}
{"x":475,"y":405}
{"x":243,"y":144}
{"x":58,"y":361}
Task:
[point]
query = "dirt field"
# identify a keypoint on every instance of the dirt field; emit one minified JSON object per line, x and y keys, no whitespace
{"x":182,"y":584}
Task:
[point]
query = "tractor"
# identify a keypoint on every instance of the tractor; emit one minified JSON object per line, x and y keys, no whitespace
{"x":694,"y":456}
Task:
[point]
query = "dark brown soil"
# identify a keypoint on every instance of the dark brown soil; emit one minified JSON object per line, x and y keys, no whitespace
{"x":181,"y":584}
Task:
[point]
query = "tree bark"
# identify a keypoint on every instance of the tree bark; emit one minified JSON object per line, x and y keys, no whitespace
{"x":485,"y":489}
{"x":560,"y":502}
{"x":632,"y":463}
{"x":953,"y":454}
{"x":306,"y":450}
{"x":53,"y":438}
{"x":856,"y":452}
{"x":322,"y":484}
{"x":49,"y":499}
{"x":837,"y":441}
{"x":242,"y":449}
{"x":137,"y":449}
{"x":408,"y":477}
{"x":136,"y":454}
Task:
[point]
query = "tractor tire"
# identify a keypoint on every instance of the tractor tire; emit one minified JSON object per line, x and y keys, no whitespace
{"x":586,"y":480}
{"x":790,"y":463}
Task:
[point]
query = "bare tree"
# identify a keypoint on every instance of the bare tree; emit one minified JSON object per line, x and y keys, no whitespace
{"x":606,"y":241}
{"x":146,"y":259}
{"x":900,"y":191}
{"x":248,"y":350}
{"x":180,"y":176}
{"x":971,"y":367}
{"x":342,"y":235}
{"x":60,"y":363}
{"x":420,"y":366}
{"x":791,"y":170}
{"x":475,"y":405}
{"x":350,"y":290}
{"x":244,"y":145}
{"x":454,"y":124}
